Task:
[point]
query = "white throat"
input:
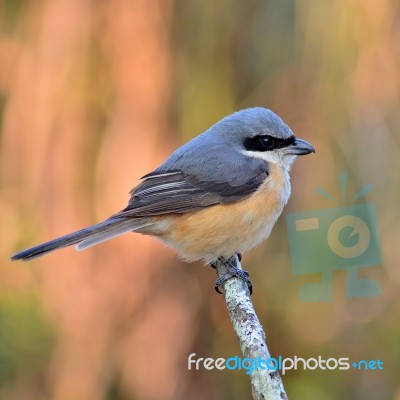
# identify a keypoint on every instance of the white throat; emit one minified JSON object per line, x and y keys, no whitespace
{"x":278,"y":157}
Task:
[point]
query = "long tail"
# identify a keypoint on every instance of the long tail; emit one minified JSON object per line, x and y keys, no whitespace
{"x":86,"y":237}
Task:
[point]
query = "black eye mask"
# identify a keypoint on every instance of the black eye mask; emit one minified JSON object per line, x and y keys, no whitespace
{"x":267,"y":143}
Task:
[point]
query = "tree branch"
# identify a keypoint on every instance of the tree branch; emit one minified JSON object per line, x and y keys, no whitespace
{"x":266,"y":384}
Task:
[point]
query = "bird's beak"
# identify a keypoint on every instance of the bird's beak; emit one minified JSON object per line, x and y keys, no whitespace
{"x":299,"y":148}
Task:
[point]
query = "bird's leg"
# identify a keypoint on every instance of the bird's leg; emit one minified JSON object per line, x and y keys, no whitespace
{"x":230,"y":270}
{"x":214,"y":264}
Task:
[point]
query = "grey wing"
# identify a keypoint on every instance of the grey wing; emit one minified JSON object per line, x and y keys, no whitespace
{"x":199,"y":174}
{"x":165,"y":192}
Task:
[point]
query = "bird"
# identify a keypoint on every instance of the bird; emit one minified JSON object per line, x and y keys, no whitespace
{"x":218,"y":195}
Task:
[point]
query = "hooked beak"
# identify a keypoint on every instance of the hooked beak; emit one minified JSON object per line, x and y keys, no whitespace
{"x":299,"y":148}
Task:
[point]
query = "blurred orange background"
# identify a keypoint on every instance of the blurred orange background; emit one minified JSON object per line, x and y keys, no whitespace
{"x":94,"y":95}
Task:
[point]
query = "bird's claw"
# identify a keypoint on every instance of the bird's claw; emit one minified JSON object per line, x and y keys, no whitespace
{"x":234,"y":273}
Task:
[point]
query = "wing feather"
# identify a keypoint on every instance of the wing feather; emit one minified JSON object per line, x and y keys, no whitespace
{"x":166,"y":192}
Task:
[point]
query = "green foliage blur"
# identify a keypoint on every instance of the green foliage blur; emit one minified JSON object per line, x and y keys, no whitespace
{"x":26,"y":343}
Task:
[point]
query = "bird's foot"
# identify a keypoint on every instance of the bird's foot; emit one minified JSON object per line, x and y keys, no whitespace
{"x":231,"y":271}
{"x":239,"y":273}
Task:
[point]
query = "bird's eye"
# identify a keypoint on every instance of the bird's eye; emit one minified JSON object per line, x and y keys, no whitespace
{"x":266,"y":142}
{"x":261,"y":143}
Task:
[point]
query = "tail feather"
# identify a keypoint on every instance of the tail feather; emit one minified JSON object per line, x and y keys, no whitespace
{"x":97,"y":238}
{"x":85,"y":237}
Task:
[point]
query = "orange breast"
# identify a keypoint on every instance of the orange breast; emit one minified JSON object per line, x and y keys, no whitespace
{"x":223,"y":230}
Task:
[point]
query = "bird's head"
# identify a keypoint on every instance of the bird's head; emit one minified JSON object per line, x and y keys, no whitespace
{"x":260,"y":133}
